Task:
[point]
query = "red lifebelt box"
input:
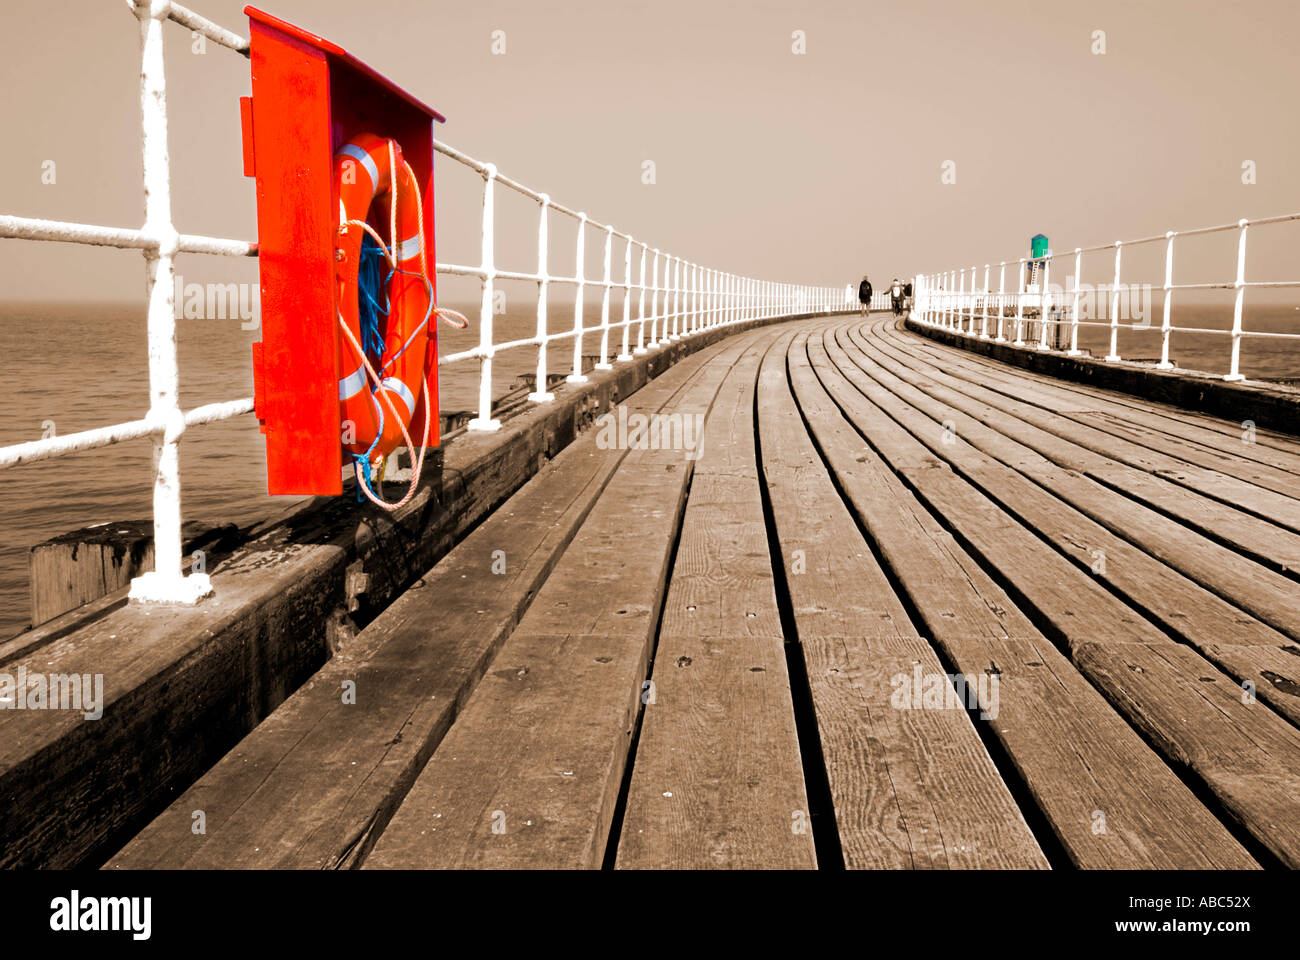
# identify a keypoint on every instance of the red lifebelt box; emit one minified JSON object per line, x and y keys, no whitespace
{"x":310,"y":97}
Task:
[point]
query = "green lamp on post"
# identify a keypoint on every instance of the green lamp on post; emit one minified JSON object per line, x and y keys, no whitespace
{"x":1040,"y":254}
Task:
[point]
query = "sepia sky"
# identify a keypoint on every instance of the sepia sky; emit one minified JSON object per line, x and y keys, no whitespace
{"x":811,"y":168}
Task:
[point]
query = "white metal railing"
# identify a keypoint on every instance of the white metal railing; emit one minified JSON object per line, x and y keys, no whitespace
{"x":685,"y":299}
{"x":946,"y":300}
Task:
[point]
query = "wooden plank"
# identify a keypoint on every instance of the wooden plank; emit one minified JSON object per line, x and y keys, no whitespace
{"x":529,"y":773}
{"x":1076,"y":756}
{"x":1045,"y":456}
{"x":718,"y":779}
{"x":1266,"y":498}
{"x":1271,"y":448}
{"x":1080,"y":616}
{"x":911,"y":788}
{"x":1270,"y":405}
{"x":1252,"y":536}
{"x":1176,"y":602}
{"x":316,"y":782}
{"x":1208,"y":449}
{"x":1055,"y":583}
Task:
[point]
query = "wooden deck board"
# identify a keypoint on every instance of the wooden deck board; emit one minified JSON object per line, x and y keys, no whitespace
{"x":1274,"y":502}
{"x":315,"y":783}
{"x":1257,"y":538}
{"x":529,"y":773}
{"x":1242,"y":739}
{"x":911,"y":788}
{"x":718,"y":779}
{"x":1077,"y":756}
{"x":1143,"y":580}
{"x":1112,"y":412}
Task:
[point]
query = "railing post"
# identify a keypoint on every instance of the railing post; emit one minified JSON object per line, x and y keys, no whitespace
{"x":627,"y":300}
{"x":654,"y":304}
{"x":676,"y":280}
{"x":603,"y":362}
{"x":167,"y":582}
{"x":484,"y":420}
{"x":1020,"y":307}
{"x":540,"y":392}
{"x":970,"y":317}
{"x":1002,"y":303}
{"x":640,"y":312}
{"x":1234,"y":369}
{"x":961,"y":302}
{"x":692,"y":298}
{"x":577,"y":376}
{"x":1113,"y":355}
{"x":1074,"y":350}
{"x":984,"y":319}
{"x":1044,"y":304}
{"x":1165,"y":363}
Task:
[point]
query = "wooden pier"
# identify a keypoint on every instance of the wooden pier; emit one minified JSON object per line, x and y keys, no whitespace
{"x":740,"y":652}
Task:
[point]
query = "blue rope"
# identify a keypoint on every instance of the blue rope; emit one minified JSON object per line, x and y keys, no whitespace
{"x":363,"y":459}
{"x":370,"y":283}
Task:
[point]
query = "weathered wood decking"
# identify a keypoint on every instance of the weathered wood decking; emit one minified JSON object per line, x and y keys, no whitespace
{"x":729,"y":657}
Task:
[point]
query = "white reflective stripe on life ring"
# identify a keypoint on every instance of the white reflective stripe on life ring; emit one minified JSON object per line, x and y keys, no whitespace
{"x":399,"y":388}
{"x":351,"y":385}
{"x":407,"y":249}
{"x":356,"y":153}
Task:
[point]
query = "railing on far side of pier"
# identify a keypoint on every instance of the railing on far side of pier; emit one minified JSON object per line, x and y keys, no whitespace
{"x":964,"y":302}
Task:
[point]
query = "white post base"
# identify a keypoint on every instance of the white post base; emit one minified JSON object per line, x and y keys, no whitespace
{"x":624,"y":357}
{"x":1233,"y":377}
{"x":576,"y":378}
{"x":541,"y":397}
{"x":1112,"y":358}
{"x":604,"y":366}
{"x":153,"y":587}
{"x":640,"y":351}
{"x":479,"y":425}
{"x":1164,"y":366}
{"x":1074,"y":353}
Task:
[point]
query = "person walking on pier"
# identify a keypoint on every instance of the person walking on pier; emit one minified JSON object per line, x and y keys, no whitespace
{"x":864,"y":295}
{"x":896,"y":296}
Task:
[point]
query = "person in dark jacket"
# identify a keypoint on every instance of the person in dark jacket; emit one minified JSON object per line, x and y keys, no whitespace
{"x":864,"y":295}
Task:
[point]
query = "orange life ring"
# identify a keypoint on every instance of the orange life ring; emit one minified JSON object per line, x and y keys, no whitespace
{"x":364,"y":174}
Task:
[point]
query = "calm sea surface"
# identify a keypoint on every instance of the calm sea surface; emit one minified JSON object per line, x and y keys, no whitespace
{"x":85,"y":365}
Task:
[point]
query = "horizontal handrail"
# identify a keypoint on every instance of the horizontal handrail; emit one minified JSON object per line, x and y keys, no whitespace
{"x":944,"y":299}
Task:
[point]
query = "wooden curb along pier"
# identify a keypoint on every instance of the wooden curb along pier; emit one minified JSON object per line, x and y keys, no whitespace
{"x":745,"y":653}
